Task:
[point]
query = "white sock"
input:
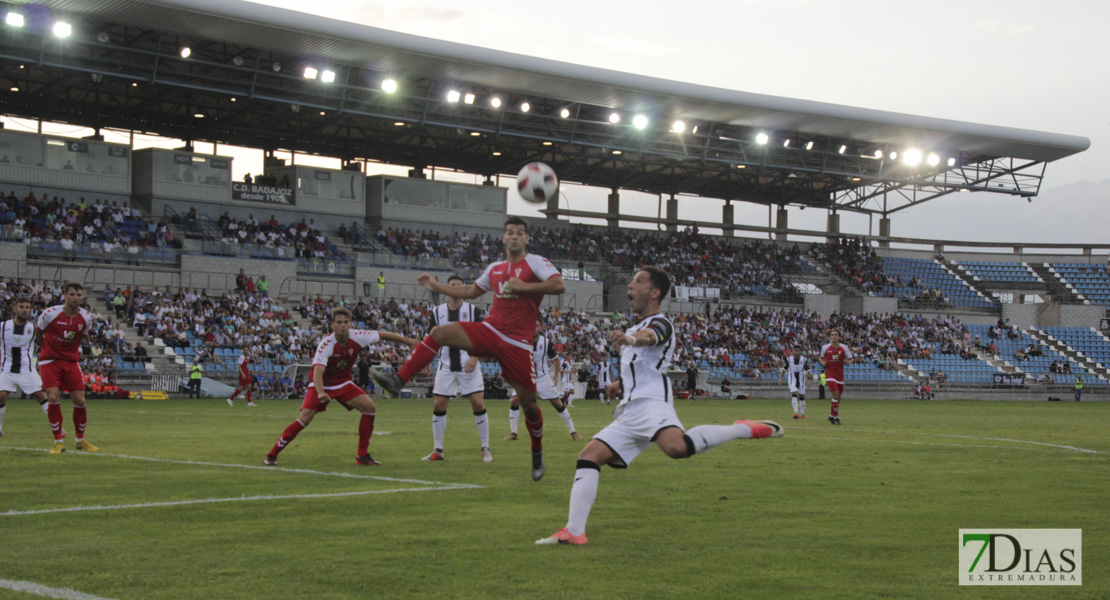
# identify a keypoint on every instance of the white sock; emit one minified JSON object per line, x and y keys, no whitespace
{"x":707,"y":436}
{"x":794,"y":403}
{"x":44,"y":408}
{"x":514,"y":416}
{"x":481,"y":421}
{"x":565,"y":416}
{"x":802,"y":405}
{"x":3,"y":408}
{"x":582,"y":496}
{"x":439,"y":426}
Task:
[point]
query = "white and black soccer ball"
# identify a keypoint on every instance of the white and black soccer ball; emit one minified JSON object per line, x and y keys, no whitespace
{"x":537,"y":183}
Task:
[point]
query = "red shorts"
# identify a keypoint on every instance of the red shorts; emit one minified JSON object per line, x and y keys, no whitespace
{"x":62,"y":374}
{"x":349,"y":391}
{"x":517,"y":365}
{"x":244,"y":381}
{"x":834,"y":386}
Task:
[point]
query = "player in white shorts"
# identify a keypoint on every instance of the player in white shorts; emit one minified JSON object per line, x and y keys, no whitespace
{"x":17,"y":358}
{"x":646,"y":414}
{"x":796,"y":373}
{"x":564,"y":378}
{"x":604,"y":378}
{"x":542,"y":350}
{"x":458,"y":374}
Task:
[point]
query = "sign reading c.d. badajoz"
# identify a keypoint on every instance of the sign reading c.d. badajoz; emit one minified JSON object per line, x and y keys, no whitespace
{"x":261,"y":193}
{"x":1021,"y":557}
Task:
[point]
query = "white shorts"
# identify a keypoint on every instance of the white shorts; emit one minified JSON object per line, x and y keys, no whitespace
{"x":29,"y":382}
{"x":450,"y":384}
{"x":797,"y":383}
{"x":567,"y":386}
{"x":545,"y":388}
{"x":636,"y":427}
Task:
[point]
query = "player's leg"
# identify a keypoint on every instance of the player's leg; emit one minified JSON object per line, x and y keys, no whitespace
{"x":564,"y":413}
{"x":364,"y":405}
{"x":439,"y":423}
{"x":802,"y":404}
{"x":514,"y":417}
{"x":533,"y":422}
{"x":794,"y":403}
{"x":309,"y":407}
{"x":678,"y":444}
{"x":583,"y":493}
{"x":481,"y":418}
{"x":451,"y":334}
{"x":835,"y":389}
{"x":74,"y":383}
{"x":3,"y":407}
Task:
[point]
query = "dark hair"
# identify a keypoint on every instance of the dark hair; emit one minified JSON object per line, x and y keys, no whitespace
{"x":340,"y":310}
{"x":660,"y":280}
{"x":515,"y":220}
{"x":73,"y":285}
{"x":455,"y":276}
{"x":22,"y":300}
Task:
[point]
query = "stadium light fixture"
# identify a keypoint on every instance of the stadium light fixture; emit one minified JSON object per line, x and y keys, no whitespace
{"x":497,"y":154}
{"x":468,"y":99}
{"x":398,"y":123}
{"x":694,"y":130}
{"x":453,"y":96}
{"x":237,"y":60}
{"x":564,"y":113}
{"x":495,"y":102}
{"x":547,"y":143}
{"x":103,"y":37}
{"x":525,"y":107}
{"x":809,"y":145}
{"x":389,"y":86}
{"x":63,"y":29}
{"x":878,"y":154}
{"x":762,"y":138}
{"x":198,"y":115}
{"x":323,"y":114}
{"x":15,"y":89}
{"x":951,"y":162}
{"x":475,"y":133}
{"x":327,"y":76}
{"x":639,"y":121}
{"x":786,"y":143}
{"x":843,"y":149}
{"x":933,"y":159}
{"x":741,"y":166}
{"x":893,"y":155}
{"x":912,"y":157}
{"x":617,"y":152}
{"x":14,"y":19}
{"x":186,"y":52}
{"x":614,"y":118}
{"x":310,"y":73}
{"x":276,"y":67}
{"x":678,"y":127}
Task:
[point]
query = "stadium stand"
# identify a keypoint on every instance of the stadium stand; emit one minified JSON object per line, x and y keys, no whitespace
{"x":1000,"y":272}
{"x":1091,"y":282}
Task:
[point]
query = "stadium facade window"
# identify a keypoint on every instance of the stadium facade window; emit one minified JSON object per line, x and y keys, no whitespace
{"x":87,"y":157}
{"x":21,"y":149}
{"x":194,"y":169}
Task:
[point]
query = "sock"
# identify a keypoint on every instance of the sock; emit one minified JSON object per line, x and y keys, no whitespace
{"x":535,"y":429}
{"x":794,"y":403}
{"x":45,"y":407}
{"x":565,"y":416}
{"x":514,"y":417}
{"x":421,"y":357}
{"x":234,"y":394}
{"x":80,"y":421}
{"x":3,"y":407}
{"x":582,"y":495}
{"x":802,"y":405}
{"x":439,"y":426}
{"x":835,"y":408}
{"x":703,"y":437}
{"x":54,"y":414}
{"x":365,"y":430}
{"x":481,"y":421}
{"x":287,"y":436}
{"x":248,"y":394}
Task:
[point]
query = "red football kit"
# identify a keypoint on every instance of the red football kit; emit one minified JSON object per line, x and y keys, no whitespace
{"x":834,"y":365}
{"x":61,"y":347}
{"x":338,"y":360}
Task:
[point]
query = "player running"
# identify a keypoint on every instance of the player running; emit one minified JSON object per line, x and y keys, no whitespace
{"x":519,"y":284}
{"x":645,"y":414}
{"x":833,"y":357}
{"x":245,"y":383}
{"x":336,"y":354}
{"x":17,"y":366}
{"x":542,"y":350}
{"x":797,"y":371}
{"x":459,"y":373}
{"x":60,"y":331}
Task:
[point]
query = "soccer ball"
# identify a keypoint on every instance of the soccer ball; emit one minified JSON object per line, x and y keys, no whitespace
{"x":537,"y":182}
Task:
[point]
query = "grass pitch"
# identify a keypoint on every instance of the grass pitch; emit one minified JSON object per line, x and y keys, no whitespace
{"x":178,"y":506}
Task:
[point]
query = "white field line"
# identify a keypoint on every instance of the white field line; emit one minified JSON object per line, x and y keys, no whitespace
{"x":794,"y":433}
{"x":13,"y":513}
{"x":35,"y":589}
{"x":253,"y":467}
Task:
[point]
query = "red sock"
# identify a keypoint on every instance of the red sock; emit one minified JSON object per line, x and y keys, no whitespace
{"x":54,"y":414}
{"x":535,"y":428}
{"x":234,"y":394}
{"x":835,"y":408}
{"x":287,"y":436}
{"x":80,"y":420}
{"x":421,"y":357}
{"x":248,"y":395}
{"x":365,"y":430}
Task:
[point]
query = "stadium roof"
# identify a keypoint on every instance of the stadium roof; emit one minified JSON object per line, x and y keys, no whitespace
{"x":244,"y":83}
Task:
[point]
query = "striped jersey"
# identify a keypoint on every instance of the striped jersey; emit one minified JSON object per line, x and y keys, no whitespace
{"x":16,"y":345}
{"x":542,"y":350}
{"x":796,"y":364}
{"x":643,"y":369}
{"x":453,"y":359}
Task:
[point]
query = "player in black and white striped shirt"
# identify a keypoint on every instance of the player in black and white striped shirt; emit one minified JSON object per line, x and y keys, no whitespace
{"x":458,"y":374}
{"x":646,"y":414}
{"x":542,"y":351}
{"x":17,"y":358}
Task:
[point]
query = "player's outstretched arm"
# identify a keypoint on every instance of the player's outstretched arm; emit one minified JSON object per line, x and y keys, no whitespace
{"x":552,"y":287}
{"x":644,"y":337}
{"x":463,"y":292}
{"x":393,"y":337}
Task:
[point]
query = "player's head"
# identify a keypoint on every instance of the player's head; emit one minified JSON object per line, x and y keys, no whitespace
{"x":647,"y":290}
{"x":75,"y":294}
{"x":22,"y":309}
{"x":515,"y":236}
{"x":834,"y":335}
{"x":455,"y":279}
{"x":797,"y":349}
{"x":340,"y":321}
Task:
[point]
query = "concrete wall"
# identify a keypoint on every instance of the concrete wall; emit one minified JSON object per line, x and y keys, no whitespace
{"x":1072,"y":315}
{"x":823,"y":304}
{"x":868,"y":304}
{"x":1020,"y":315}
{"x":217,"y":273}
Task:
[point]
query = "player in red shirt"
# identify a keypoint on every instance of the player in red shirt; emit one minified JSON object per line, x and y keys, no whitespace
{"x":60,"y":331}
{"x":336,"y":354}
{"x":833,"y":357}
{"x":519,"y":284}
{"x":244,"y":379}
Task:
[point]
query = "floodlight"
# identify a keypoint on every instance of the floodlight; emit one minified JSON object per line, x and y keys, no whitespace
{"x":14,"y":19}
{"x":276,"y":67}
{"x":564,"y":113}
{"x":103,"y":37}
{"x":878,"y":154}
{"x":63,"y":29}
{"x":453,"y":96}
{"x":843,"y":149}
{"x":639,"y":121}
{"x":237,"y":61}
{"x":15,"y":89}
{"x":933,"y":159}
{"x":786,"y":143}
{"x":468,"y":99}
{"x":617,"y":152}
{"x":894,"y":155}
{"x":694,"y":130}
{"x":809,"y":145}
{"x":912,"y":157}
{"x":186,"y":52}
{"x":310,"y":73}
{"x":497,"y":154}
{"x":678,"y":127}
{"x":762,"y":138}
{"x":525,"y":107}
{"x":398,"y":123}
{"x":389,"y":86}
{"x":475,"y":133}
{"x":198,"y":115}
{"x":495,"y":102}
{"x":951,"y":162}
{"x":614,"y":118}
{"x":547,"y":143}
{"x":327,"y":76}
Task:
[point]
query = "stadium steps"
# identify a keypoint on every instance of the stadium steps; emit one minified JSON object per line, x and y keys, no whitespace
{"x":162,"y":363}
{"x":832,"y":284}
{"x":967,"y":280}
{"x":1057,"y":287}
{"x":1077,"y":357}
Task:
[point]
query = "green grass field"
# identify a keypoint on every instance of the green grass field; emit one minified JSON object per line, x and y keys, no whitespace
{"x":870,"y":509}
